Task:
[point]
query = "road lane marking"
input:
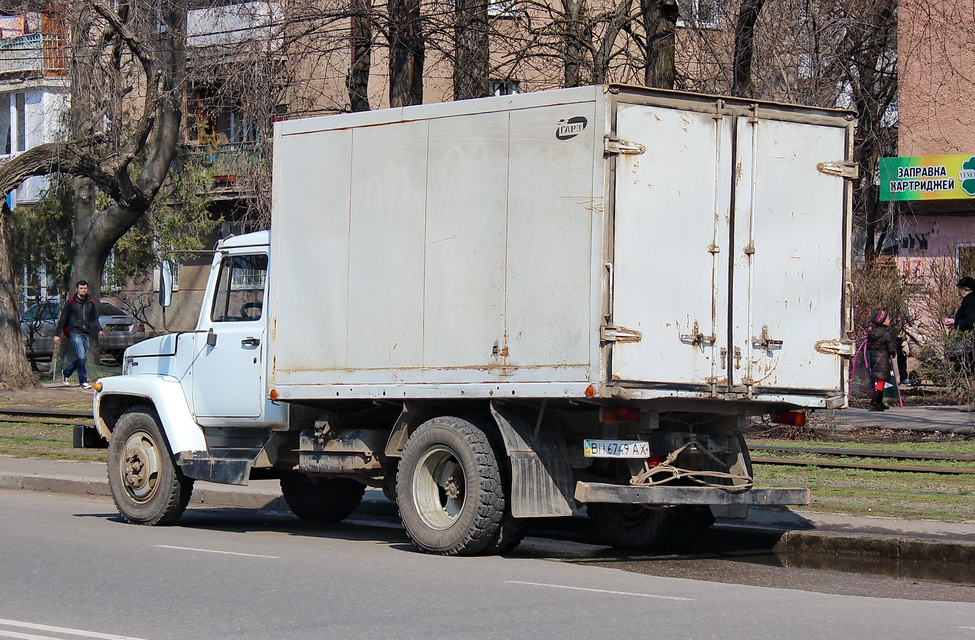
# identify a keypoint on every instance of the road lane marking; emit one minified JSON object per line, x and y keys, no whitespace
{"x":52,"y":629}
{"x":229,"y":553}
{"x":618,"y":593}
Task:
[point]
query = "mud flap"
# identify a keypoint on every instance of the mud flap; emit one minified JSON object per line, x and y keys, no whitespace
{"x":541,"y":473}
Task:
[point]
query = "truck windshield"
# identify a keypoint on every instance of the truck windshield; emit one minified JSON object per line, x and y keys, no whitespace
{"x":240,"y":289}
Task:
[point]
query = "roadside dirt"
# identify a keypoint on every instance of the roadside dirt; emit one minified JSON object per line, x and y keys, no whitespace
{"x":49,"y":396}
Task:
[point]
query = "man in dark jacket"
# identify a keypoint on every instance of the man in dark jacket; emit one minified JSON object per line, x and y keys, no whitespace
{"x":80,"y":317}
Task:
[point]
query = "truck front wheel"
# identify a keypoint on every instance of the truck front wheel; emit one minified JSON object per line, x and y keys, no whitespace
{"x":320,"y":499}
{"x":147,"y":486}
{"x":449,"y":490}
{"x":671,"y":529}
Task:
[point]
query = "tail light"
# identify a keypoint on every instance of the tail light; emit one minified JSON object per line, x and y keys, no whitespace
{"x":142,"y":327}
{"x":789,"y":418}
{"x":619,"y":414}
{"x":655,"y":461}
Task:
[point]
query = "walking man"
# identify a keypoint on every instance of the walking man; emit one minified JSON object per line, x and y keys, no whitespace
{"x":80,"y":317}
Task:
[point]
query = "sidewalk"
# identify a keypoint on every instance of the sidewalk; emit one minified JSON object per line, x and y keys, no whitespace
{"x":930,"y":419}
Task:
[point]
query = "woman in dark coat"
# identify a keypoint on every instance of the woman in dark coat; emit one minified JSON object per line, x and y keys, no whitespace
{"x":882,"y":347}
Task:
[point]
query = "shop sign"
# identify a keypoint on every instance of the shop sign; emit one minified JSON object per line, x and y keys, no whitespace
{"x":928,"y":178}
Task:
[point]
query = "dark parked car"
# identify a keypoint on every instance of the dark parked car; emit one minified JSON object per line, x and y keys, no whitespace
{"x":122,"y":330}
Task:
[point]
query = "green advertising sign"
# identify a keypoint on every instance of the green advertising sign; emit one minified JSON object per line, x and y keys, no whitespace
{"x":928,"y":178}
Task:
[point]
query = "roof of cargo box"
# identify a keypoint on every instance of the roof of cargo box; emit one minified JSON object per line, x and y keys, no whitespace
{"x":529,"y":100}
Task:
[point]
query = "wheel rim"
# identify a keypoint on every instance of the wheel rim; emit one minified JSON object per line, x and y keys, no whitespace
{"x":439,"y":488}
{"x":139,"y":466}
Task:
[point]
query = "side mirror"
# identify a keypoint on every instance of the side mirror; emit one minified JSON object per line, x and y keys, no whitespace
{"x":166,"y":283}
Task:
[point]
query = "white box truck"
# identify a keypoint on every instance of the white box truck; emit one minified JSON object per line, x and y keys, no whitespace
{"x":508,"y":308}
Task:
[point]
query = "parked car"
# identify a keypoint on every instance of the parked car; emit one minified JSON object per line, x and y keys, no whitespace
{"x":122,"y":330}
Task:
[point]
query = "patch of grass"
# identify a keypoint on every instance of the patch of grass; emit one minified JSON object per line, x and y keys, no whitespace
{"x":33,"y":439}
{"x":960,"y":448}
{"x":882,"y":493}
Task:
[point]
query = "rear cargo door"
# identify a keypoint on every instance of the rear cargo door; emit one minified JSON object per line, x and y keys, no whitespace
{"x":670,"y":269}
{"x":788,"y":243}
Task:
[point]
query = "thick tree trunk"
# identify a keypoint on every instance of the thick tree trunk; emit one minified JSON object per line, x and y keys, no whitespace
{"x":660,"y":23}
{"x":745,"y":47}
{"x":357,"y":82}
{"x":573,"y":55}
{"x":15,"y":371}
{"x":471,"y":52}
{"x":406,"y":51}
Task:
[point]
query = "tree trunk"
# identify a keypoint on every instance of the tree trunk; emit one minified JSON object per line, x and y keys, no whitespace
{"x":406,"y":50}
{"x":660,"y":23}
{"x":745,"y":47}
{"x":471,"y":52}
{"x":15,"y":371}
{"x":357,"y":82}
{"x":573,"y":54}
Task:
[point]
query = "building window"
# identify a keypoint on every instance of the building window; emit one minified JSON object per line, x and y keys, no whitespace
{"x":13,"y":122}
{"x":20,"y":105}
{"x":503,"y":8}
{"x":966,"y":259}
{"x":211,"y":119}
{"x":503,"y":87}
{"x":701,"y":14}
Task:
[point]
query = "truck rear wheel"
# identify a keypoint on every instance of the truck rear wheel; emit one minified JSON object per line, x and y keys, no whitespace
{"x":147,"y":486}
{"x":321,"y":499}
{"x":672,"y":529}
{"x":449,"y":489}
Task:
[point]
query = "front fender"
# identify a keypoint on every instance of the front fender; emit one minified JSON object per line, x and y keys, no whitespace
{"x":164,"y":394}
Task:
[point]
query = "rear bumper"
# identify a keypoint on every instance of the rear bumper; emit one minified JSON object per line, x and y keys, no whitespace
{"x":663,"y":495}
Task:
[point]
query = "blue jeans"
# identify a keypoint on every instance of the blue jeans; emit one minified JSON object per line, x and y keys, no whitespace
{"x":80,"y":342}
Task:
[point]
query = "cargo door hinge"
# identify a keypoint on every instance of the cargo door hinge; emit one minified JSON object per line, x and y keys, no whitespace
{"x":609,"y":333}
{"x":842,"y":169}
{"x":845,"y":348}
{"x":616,"y":146}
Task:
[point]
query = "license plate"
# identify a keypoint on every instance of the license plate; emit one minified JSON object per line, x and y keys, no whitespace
{"x":616,"y":448}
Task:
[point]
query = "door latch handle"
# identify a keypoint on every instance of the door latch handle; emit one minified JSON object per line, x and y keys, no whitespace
{"x":697,"y":338}
{"x":250,"y":342}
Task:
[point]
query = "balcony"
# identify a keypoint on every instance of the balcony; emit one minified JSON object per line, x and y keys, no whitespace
{"x":233,"y":167}
{"x":33,"y":55}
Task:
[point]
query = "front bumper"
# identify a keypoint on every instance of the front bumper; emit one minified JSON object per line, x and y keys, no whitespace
{"x":666,"y":495}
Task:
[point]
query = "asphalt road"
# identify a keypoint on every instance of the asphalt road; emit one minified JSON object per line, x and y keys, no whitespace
{"x":72,"y":569}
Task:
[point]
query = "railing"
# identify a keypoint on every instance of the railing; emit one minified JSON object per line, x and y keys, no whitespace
{"x":35,"y":53}
{"x":232,"y":165}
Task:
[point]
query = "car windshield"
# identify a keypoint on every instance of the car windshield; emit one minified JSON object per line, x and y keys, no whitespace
{"x":43,"y":312}
{"x":109,"y":309}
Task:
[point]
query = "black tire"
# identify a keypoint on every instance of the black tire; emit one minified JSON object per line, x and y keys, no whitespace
{"x":512,"y":530}
{"x":321,"y":499}
{"x":147,"y":486}
{"x":673,"y":529}
{"x":449,"y":489}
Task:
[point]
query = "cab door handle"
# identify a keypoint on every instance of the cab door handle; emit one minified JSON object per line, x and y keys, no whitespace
{"x":250,"y":342}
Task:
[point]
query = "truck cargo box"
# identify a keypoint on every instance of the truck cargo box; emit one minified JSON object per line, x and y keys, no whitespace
{"x":588,"y":242}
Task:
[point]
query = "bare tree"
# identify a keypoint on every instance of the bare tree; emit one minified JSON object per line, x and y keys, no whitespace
{"x":102,"y":151}
{"x":357,"y":81}
{"x":406,"y":52}
{"x":471,"y":55}
{"x":748,"y":14}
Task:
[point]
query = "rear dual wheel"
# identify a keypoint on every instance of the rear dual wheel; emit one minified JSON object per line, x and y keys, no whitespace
{"x":450,"y":492}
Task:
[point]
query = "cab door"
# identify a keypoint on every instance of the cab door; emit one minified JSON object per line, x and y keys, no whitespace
{"x":228,"y":369}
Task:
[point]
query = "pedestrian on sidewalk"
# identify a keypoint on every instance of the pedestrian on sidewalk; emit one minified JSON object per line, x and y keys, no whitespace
{"x":962,"y":355}
{"x":882,"y":347}
{"x":79,"y":318}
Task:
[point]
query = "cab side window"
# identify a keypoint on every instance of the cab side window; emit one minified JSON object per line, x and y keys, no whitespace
{"x":240,"y":289}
